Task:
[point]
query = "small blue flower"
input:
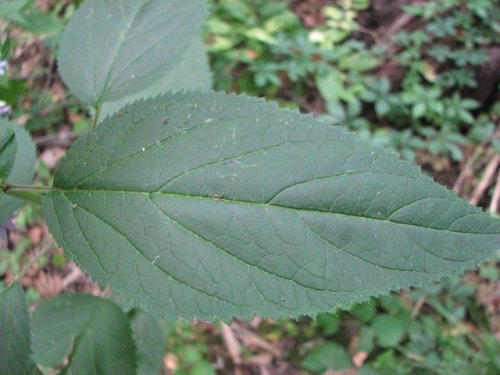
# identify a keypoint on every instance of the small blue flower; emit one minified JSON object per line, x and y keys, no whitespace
{"x":4,"y":65}
{"x":4,"y":108}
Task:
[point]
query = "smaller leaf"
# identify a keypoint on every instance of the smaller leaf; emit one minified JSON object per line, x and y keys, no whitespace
{"x":390,"y":330}
{"x":329,"y":355}
{"x":364,"y":311}
{"x":138,"y":43}
{"x":192,"y":72}
{"x":23,"y":168}
{"x":8,"y":8}
{"x":418,"y":110}
{"x":15,"y":342}
{"x":8,"y":151}
{"x":329,"y":323}
{"x":94,"y":332}
{"x":150,"y":342}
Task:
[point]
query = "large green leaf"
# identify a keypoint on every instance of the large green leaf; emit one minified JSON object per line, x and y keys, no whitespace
{"x":22,"y":170}
{"x":112,"y":49}
{"x":15,"y":342}
{"x":8,"y":152}
{"x":93,"y":332}
{"x":211,"y":206}
{"x":191,"y":73}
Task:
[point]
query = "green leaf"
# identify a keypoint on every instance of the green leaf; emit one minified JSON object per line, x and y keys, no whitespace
{"x":38,"y":23}
{"x":8,"y":152}
{"x":10,"y":7}
{"x":112,"y":49}
{"x":214,"y":206}
{"x":93,"y":332}
{"x":329,"y":355}
{"x":191,"y":73}
{"x":329,"y":323}
{"x":22,"y":170}
{"x":15,"y":344}
{"x":365,"y":311}
{"x":418,"y":110}
{"x":390,"y":330}
{"x":150,"y":342}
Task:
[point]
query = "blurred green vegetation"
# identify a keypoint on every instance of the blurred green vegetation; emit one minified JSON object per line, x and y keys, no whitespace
{"x":261,"y":47}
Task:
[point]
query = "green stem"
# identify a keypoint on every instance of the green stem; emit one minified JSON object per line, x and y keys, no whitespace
{"x":96,"y":115}
{"x":28,"y":193}
{"x":7,"y":188}
{"x":46,"y":248}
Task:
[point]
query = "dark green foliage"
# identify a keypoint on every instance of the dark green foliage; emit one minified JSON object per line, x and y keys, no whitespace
{"x":8,"y":152}
{"x":208,"y":206}
{"x":239,"y":226}
{"x":22,"y":169}
{"x":15,"y":344}
{"x":426,"y":111}
{"x":93,"y":333}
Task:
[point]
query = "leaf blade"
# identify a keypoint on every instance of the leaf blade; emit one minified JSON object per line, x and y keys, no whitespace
{"x":246,"y":208}
{"x":135,"y":47}
{"x":191,"y":73}
{"x":15,"y":345}
{"x":150,"y":342}
{"x":8,"y":152}
{"x":94,"y":332}
{"x":23,"y":169}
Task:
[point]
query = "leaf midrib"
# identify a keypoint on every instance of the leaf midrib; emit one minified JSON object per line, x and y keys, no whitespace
{"x":137,"y":58}
{"x":248,"y":265}
{"x":120,"y":45}
{"x":274,"y":205}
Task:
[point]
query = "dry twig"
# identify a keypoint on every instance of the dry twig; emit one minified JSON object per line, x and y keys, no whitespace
{"x":231,"y":343}
{"x":495,"y":200}
{"x":251,"y":339}
{"x":488,"y":178}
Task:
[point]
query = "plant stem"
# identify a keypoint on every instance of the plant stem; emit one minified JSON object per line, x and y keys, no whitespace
{"x":45,"y":249}
{"x":7,"y":188}
{"x":96,"y":115}
{"x":28,"y":193}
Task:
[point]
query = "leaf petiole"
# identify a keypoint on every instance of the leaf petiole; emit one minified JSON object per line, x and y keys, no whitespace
{"x":28,"y":193}
{"x":97,"y":114}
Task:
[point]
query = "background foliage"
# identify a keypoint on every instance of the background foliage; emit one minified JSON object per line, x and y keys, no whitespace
{"x":418,"y":77}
